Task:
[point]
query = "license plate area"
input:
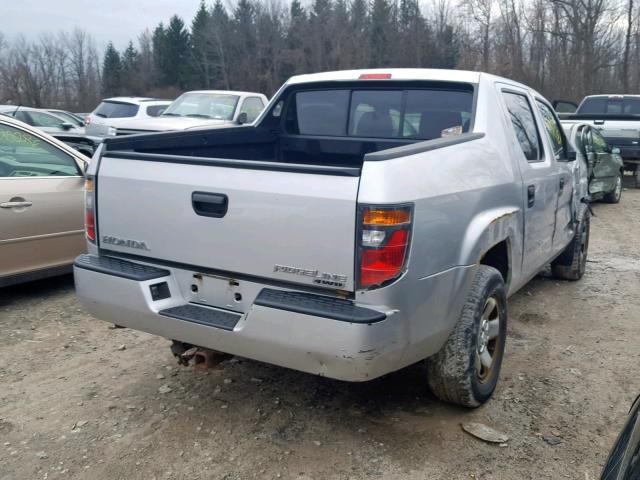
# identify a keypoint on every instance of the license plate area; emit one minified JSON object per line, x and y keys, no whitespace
{"x":215,"y":291}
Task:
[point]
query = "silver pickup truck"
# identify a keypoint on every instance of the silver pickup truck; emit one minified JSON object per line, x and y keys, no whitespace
{"x":367,"y":221}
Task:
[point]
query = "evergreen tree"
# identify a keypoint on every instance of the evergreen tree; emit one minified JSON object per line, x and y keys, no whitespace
{"x":220,"y":37}
{"x":111,"y":72}
{"x":159,"y":48}
{"x":177,"y":46}
{"x":380,"y":27}
{"x":201,"y":54}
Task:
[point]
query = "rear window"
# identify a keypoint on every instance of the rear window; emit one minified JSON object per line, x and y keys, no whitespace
{"x":116,"y":110}
{"x":155,"y":110}
{"x":611,"y":106}
{"x":422,"y":114}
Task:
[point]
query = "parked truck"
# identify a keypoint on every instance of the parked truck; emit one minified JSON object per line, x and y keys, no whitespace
{"x":366,"y":221}
{"x":617,"y":118}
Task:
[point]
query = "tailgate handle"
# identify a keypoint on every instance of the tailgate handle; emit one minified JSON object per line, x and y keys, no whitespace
{"x":210,"y":204}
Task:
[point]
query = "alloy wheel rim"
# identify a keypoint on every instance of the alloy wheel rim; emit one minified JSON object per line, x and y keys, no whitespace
{"x":488,"y":337}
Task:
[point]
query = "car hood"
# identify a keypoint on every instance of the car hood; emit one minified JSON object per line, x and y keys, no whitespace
{"x":163,"y":124}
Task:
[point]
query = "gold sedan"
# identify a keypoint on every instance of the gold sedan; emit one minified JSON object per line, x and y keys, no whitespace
{"x":41,"y":204}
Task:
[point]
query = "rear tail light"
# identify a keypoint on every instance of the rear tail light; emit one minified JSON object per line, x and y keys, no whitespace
{"x":383,"y":243}
{"x":87,"y":120}
{"x":89,"y":210}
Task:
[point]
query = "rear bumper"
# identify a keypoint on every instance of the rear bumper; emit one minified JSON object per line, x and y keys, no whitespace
{"x":324,"y":335}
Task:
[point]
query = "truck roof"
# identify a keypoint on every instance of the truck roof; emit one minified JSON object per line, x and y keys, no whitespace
{"x":136,"y":100}
{"x":612,"y":95}
{"x":226,"y":92}
{"x":396,"y":74}
{"x":434,"y":74}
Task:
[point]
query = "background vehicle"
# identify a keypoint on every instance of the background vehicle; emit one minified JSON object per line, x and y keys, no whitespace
{"x":604,"y":164}
{"x":203,"y":108}
{"x":617,"y":117}
{"x":624,"y":459}
{"x":41,"y":119}
{"x":76,"y":120}
{"x":366,"y":221}
{"x":113,"y":112}
{"x":41,"y":182}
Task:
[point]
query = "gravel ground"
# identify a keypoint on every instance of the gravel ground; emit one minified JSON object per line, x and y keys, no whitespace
{"x":81,"y":400}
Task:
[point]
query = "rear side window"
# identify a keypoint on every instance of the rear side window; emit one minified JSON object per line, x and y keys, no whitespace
{"x":524,"y":124}
{"x":611,"y":106}
{"x":116,"y":110}
{"x":422,"y":114}
{"x":155,"y":110}
{"x":553,"y":129}
{"x":41,"y":119}
{"x":252,"y":106}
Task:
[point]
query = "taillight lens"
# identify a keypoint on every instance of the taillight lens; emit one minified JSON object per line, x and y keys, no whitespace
{"x":87,"y":120}
{"x":384,"y":243}
{"x":89,"y":210}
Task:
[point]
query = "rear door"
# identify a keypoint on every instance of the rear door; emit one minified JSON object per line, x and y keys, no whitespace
{"x":539,"y":179}
{"x":282,"y":225}
{"x":557,"y":150}
{"x":41,"y":204}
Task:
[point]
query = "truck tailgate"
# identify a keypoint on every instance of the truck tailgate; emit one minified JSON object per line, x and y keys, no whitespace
{"x":281,"y":225}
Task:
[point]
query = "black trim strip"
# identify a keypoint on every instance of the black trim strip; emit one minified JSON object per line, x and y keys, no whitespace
{"x":318,"y":306}
{"x":603,"y":116}
{"x":119,"y":268}
{"x":207,"y":316}
{"x":421,"y":147}
{"x":244,"y":164}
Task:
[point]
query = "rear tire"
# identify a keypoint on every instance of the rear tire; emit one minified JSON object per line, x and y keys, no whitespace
{"x":571,"y":263}
{"x":616,"y":194}
{"x":465,"y":371}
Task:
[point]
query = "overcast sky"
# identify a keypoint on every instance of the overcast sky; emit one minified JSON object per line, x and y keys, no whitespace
{"x":116,"y":20}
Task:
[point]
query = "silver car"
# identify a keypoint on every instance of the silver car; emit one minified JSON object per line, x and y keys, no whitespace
{"x":42,"y":119}
{"x":41,"y":203}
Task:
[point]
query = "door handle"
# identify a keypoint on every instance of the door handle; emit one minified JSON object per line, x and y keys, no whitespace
{"x":210,"y":204}
{"x":531,"y":195}
{"x":598,"y":122}
{"x":15,"y":204}
{"x":561,"y":184}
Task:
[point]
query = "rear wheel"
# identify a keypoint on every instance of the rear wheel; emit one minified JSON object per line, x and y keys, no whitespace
{"x":571,"y":263}
{"x":615,"y":195}
{"x":465,"y":371}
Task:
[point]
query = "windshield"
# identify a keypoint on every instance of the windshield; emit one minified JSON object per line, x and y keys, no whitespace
{"x":422,"y":114}
{"x":203,"y":105}
{"x":116,"y":110}
{"x":611,"y":106}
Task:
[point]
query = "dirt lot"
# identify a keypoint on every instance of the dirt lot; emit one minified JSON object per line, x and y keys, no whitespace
{"x":81,"y":400}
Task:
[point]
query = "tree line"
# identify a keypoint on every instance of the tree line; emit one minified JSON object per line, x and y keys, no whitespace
{"x":564,"y":48}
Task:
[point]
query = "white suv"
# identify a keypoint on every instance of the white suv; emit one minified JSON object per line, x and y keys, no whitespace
{"x":112,"y":112}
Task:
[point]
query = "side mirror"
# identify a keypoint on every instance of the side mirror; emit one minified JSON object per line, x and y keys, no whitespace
{"x":615,"y":151}
{"x":66,"y":126}
{"x":242,"y":118}
{"x":571,"y":156}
